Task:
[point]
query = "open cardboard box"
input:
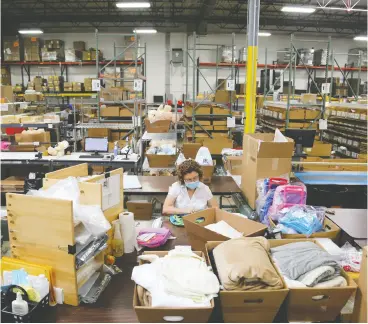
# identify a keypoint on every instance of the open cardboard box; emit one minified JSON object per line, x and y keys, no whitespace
{"x":142,"y":209}
{"x":160,"y":126}
{"x":168,"y":314}
{"x":161,"y":161}
{"x":198,"y":235}
{"x":331,"y":231}
{"x":259,"y":306}
{"x":190,"y":150}
{"x":233,"y":164}
{"x":302,"y":304}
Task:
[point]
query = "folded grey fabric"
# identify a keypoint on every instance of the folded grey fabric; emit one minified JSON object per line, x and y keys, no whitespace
{"x":296,"y":259}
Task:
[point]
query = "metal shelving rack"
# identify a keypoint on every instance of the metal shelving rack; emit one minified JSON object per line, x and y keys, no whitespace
{"x":291,"y":68}
{"x":134,"y":127}
{"x":196,"y":73}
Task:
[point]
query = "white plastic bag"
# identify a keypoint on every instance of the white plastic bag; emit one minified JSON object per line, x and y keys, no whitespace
{"x":203,"y":156}
{"x":180,"y":159}
{"x":92,"y":218}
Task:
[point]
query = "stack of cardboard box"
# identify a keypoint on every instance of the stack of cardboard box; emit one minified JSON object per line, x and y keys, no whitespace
{"x":38,"y":83}
{"x":224,"y":96}
{"x":129,"y":53}
{"x":77,"y":86}
{"x":75,"y":54}
{"x":88,"y":84}
{"x":32,"y":49}
{"x":53,"y":50}
{"x":90,"y":55}
{"x":11,"y":49}
{"x":55,"y":83}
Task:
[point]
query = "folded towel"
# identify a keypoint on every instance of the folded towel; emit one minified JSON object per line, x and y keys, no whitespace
{"x":317,"y":275}
{"x":339,"y":281}
{"x":244,"y":264}
{"x":296,"y":259}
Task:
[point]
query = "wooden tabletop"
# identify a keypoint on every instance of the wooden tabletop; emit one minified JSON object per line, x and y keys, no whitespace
{"x":352,"y":221}
{"x":159,"y":185}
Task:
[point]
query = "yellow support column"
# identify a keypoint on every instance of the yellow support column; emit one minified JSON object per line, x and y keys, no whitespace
{"x":252,"y":58}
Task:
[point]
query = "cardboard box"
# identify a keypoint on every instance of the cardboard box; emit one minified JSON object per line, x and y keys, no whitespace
{"x":142,"y":210}
{"x":224,"y":96}
{"x":86,"y":56}
{"x":99,"y":132}
{"x":203,"y":122}
{"x":219,"y":123}
{"x":11,"y":49}
{"x":319,"y":149}
{"x":308,"y":98}
{"x":361,"y":299}
{"x":263,"y":158}
{"x":201,"y":110}
{"x":208,"y":172}
{"x":331,"y":231}
{"x":161,"y":161}
{"x":216,"y":110}
{"x":112,"y":94}
{"x":233,"y":164}
{"x":166,"y":314}
{"x":254,"y":306}
{"x":190,"y":150}
{"x":31,"y":119}
{"x":7,"y":93}
{"x":199,"y":128}
{"x":301,"y":304}
{"x":160,"y":126}
{"x":216,"y":145}
{"x":79,"y":45}
{"x":31,"y":138}
{"x":110,"y":111}
{"x":198,"y":235}
{"x":222,"y":128}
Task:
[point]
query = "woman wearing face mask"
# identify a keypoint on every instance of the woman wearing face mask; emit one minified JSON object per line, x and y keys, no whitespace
{"x":189,"y":194}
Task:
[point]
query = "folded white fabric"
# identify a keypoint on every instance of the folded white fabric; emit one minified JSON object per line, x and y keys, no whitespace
{"x":311,"y":278}
{"x":180,"y":279}
{"x":339,"y":281}
{"x":224,"y":229}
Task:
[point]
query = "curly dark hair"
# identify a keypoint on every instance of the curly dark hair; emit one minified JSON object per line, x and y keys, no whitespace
{"x":186,"y":167}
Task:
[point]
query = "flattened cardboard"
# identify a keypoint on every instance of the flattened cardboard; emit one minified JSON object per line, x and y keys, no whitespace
{"x":162,"y":314}
{"x":198,"y":235}
{"x":301,"y":307}
{"x":190,"y":150}
{"x":249,"y":306}
{"x":142,"y":210}
{"x":263,"y":158}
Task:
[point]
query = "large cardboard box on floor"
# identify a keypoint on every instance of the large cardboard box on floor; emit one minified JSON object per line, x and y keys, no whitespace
{"x":263,"y":158}
{"x":198,"y":235}
{"x":315,"y":304}
{"x":361,"y":299}
{"x":252,"y":306}
{"x":148,"y":314}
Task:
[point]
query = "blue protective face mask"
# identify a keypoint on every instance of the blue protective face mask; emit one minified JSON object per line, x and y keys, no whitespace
{"x":192,"y":185}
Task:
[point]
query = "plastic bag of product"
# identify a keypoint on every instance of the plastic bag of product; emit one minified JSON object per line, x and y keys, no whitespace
{"x":287,"y":196}
{"x":180,"y":159}
{"x":302,"y":218}
{"x":351,"y":258}
{"x":92,"y":218}
{"x":203,"y":156}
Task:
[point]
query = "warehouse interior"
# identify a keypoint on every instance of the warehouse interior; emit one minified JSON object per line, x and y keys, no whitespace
{"x":184,"y":161}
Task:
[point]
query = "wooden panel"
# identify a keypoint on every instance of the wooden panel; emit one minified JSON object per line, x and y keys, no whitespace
{"x":90,"y":193}
{"x":40,"y":231}
{"x":80,"y":170}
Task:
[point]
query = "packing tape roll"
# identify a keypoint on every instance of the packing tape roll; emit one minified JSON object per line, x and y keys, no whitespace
{"x":127,"y":224}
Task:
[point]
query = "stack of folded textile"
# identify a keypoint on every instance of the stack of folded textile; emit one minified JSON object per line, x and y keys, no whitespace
{"x":305,"y":264}
{"x":179,"y":279}
{"x":244,"y":264}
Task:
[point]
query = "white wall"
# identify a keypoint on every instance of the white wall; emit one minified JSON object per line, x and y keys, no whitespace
{"x":157,"y":67}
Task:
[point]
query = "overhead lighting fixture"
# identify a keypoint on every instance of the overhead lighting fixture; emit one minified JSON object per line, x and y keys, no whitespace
{"x":265,"y":34}
{"x":361,"y":38}
{"x":30,"y":31}
{"x":298,"y":9}
{"x":133,"y":4}
{"x":145,"y":31}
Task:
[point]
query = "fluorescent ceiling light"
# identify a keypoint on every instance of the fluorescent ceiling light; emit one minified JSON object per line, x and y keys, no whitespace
{"x":30,"y":31}
{"x":264,"y":34}
{"x":133,"y":4}
{"x":361,"y":38}
{"x":298,"y":9}
{"x":145,"y":31}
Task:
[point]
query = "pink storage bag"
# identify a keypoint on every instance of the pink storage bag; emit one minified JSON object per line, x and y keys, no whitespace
{"x":161,"y":237}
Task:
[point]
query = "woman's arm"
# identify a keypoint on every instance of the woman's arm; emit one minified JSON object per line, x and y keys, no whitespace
{"x":169,"y":209}
{"x":212,"y":203}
